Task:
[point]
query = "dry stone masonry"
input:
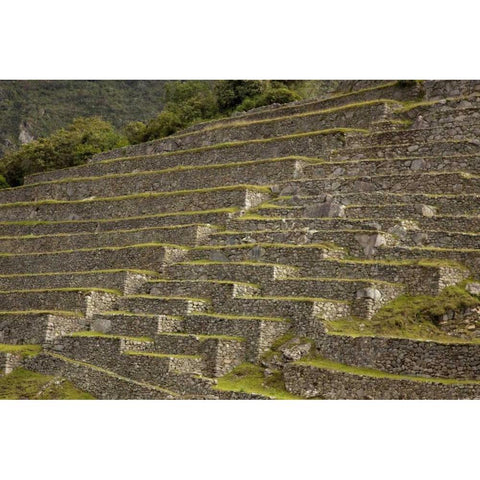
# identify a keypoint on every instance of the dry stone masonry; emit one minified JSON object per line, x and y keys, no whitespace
{"x":156,"y":269}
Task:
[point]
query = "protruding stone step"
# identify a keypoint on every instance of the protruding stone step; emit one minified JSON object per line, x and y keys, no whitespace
{"x":329,"y":380}
{"x":259,"y":332}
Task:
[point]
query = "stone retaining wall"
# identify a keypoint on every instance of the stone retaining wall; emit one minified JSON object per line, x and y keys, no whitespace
{"x":309,"y":144}
{"x":403,"y":356}
{"x":309,"y":381}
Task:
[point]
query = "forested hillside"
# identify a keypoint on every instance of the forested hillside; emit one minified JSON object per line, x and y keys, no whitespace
{"x":37,"y":108}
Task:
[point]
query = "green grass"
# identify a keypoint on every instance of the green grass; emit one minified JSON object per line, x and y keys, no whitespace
{"x":141,"y":245}
{"x":24,"y":384}
{"x":108,"y":232}
{"x":105,"y":335}
{"x":370,"y":372}
{"x":160,"y":355}
{"x":239,"y":317}
{"x":61,"y":313}
{"x":65,"y":289}
{"x":414,"y":317}
{"x":24,"y":350}
{"x":204,"y":281}
{"x":249,"y":378}
{"x":202,"y":337}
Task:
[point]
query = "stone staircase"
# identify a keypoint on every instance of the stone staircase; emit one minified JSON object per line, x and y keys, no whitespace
{"x":156,"y":269}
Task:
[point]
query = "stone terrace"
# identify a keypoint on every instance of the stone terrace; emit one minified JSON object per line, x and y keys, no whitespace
{"x":155,"y":270}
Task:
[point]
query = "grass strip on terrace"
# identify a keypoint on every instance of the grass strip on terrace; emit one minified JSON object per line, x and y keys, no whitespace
{"x":110,"y":232}
{"x":201,"y":337}
{"x":324,"y":246}
{"x":161,"y":355}
{"x":201,"y":281}
{"x":291,"y":299}
{"x":60,"y":313}
{"x":142,"y":245}
{"x":64,"y":289}
{"x":228,"y":316}
{"x":229,"y":210}
{"x":89,"y":333}
{"x":166,"y":298}
{"x":24,"y":350}
{"x":88,"y":272}
{"x":370,"y":372}
{"x":372,"y":281}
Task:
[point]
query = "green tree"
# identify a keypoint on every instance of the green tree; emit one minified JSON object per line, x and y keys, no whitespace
{"x":67,"y":147}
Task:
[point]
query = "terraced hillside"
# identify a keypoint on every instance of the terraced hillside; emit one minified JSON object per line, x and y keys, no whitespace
{"x":291,"y":252}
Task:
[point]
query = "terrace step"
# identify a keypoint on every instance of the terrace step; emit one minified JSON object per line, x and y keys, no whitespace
{"x":418,"y":278}
{"x":331,"y":288}
{"x":388,"y":166}
{"x":181,"y":234}
{"x":153,"y":204}
{"x":219,"y":291}
{"x":360,"y":242}
{"x":466,"y":129}
{"x":161,"y":305}
{"x":255,"y":272}
{"x":148,"y":181}
{"x":216,"y":217}
{"x":443,"y":147}
{"x":125,"y":281}
{"x":259,"y":332}
{"x":284,"y":253}
{"x":330,"y":380}
{"x":382,"y":90}
{"x":80,"y":301}
{"x":429,"y":183}
{"x":311,"y":143}
{"x":404,"y":356}
{"x":99,"y":382}
{"x":441,"y":203}
{"x":148,"y":257}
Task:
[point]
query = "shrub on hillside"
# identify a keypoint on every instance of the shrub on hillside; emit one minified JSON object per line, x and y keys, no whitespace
{"x":67,"y":147}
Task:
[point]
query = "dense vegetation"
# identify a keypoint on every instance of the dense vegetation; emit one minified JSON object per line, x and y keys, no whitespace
{"x":180,"y":103}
